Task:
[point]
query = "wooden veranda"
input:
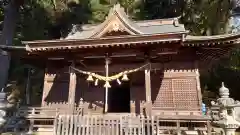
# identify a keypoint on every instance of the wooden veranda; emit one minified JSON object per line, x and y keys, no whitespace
{"x":122,"y":125}
{"x":59,"y":122}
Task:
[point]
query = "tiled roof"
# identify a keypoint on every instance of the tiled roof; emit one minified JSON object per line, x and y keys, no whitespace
{"x":157,"y":26}
{"x":159,"y":31}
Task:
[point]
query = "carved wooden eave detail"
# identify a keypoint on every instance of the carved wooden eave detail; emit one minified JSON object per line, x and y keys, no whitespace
{"x":216,"y":40}
{"x":131,"y":40}
{"x":204,"y":42}
{"x":116,"y":21}
{"x":212,"y":48}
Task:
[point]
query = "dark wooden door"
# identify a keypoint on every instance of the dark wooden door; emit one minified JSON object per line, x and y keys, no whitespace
{"x":119,"y":97}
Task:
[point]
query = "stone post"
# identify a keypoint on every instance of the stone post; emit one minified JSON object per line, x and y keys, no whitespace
{"x":3,"y":107}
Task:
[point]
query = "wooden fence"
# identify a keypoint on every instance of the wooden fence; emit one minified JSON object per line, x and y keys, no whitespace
{"x":116,"y":125}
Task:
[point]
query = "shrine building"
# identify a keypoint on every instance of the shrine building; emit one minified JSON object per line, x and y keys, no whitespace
{"x":123,"y":67}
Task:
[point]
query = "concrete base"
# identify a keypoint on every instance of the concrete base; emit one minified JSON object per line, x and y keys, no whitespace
{"x":229,"y":131}
{"x":44,"y":133}
{"x":191,"y":132}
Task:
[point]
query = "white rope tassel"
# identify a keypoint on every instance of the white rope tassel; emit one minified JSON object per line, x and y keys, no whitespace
{"x":96,"y":82}
{"x":119,"y":82}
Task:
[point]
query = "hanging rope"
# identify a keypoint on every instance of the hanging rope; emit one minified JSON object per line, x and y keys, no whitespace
{"x":110,"y":78}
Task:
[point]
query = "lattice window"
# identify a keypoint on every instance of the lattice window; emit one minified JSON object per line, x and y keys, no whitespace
{"x":164,"y":97}
{"x":185,"y":93}
{"x":179,"y":94}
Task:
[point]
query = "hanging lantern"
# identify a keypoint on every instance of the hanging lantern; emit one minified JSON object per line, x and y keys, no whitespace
{"x":119,"y":82}
{"x":125,"y":78}
{"x":96,"y":82}
{"x":90,"y":78}
{"x":107,"y":85}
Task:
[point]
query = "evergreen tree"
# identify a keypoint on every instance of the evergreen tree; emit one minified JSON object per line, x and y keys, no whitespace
{"x":8,"y":32}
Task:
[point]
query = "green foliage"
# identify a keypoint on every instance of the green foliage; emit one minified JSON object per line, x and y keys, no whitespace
{"x":1,"y":14}
{"x":155,"y":9}
{"x":34,"y":21}
{"x":99,"y":11}
{"x":227,"y":70}
{"x":204,"y":17}
{"x":8,"y":134}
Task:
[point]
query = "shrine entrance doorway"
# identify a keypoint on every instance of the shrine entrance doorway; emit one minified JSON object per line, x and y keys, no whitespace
{"x":119,"y":98}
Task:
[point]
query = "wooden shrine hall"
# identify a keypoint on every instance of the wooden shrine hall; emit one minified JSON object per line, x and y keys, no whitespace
{"x":130,"y":69}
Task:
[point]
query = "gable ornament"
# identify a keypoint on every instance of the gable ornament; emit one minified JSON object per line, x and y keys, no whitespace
{"x":115,"y":26}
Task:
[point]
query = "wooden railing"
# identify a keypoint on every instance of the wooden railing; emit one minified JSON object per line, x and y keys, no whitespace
{"x":76,"y":123}
{"x":47,"y":112}
{"x":118,"y":125}
{"x":37,"y":112}
{"x":43,"y":117}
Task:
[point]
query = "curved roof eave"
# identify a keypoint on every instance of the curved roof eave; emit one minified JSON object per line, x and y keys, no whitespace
{"x":190,"y":38}
{"x":7,"y":47}
{"x":18,"y":50}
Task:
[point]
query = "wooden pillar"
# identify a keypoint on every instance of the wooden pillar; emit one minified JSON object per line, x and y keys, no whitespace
{"x":209,"y":128}
{"x":178,"y":128}
{"x":72,"y":90}
{"x":148,"y":92}
{"x":107,"y":61}
{"x":28,"y":87}
{"x":198,"y":86}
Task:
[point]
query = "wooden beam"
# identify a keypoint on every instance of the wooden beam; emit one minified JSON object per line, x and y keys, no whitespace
{"x":115,"y":68}
{"x":148,"y":92}
{"x":111,"y":51}
{"x":72,"y":90}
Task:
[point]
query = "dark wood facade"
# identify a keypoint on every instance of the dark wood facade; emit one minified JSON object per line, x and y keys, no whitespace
{"x":172,"y":89}
{"x":168,"y":87}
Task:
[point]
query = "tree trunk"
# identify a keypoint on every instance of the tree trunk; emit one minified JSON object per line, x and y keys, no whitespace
{"x":9,"y":25}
